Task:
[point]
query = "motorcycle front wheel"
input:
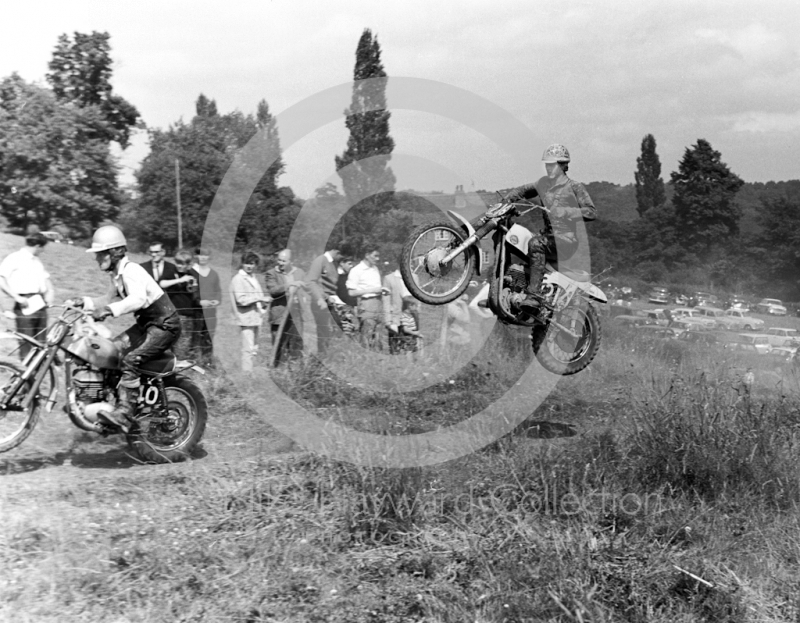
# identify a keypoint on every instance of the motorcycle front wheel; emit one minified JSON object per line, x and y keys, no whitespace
{"x":15,"y":424}
{"x":425,"y":276}
{"x":565,"y":354}
{"x":173,"y":438}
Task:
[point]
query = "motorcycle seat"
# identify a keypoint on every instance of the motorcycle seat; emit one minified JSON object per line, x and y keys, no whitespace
{"x":163,"y":364}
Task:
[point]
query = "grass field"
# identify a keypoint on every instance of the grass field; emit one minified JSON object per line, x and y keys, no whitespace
{"x":657,"y":485}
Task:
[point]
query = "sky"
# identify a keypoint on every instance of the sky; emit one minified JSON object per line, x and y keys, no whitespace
{"x":594,"y":76}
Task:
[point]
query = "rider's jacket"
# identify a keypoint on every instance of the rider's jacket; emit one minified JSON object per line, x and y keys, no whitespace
{"x":133,"y":290}
{"x":568,"y":201}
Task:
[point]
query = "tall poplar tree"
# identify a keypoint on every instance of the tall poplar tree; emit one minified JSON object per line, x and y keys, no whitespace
{"x":705,"y":187}
{"x":649,"y":185}
{"x":364,"y":165}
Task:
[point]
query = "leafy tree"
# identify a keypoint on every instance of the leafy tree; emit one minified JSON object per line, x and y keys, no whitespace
{"x":54,"y":170}
{"x":704,"y":198}
{"x":778,"y":244}
{"x":364,"y":165}
{"x":206,"y":148}
{"x":80,"y":72}
{"x":649,"y":185}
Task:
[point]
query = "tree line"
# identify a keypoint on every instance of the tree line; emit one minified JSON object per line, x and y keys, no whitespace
{"x":56,"y":171}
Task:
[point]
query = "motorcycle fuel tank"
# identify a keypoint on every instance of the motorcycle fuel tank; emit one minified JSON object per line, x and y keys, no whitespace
{"x":518,"y":237}
{"x":96,"y":350}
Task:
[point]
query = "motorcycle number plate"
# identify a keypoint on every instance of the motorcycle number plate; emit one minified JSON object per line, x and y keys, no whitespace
{"x":150,"y":394}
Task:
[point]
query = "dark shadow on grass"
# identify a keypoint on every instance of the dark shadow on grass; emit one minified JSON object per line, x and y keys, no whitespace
{"x":117,"y":458}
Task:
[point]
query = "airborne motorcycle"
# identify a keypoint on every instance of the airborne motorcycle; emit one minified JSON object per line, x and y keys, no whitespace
{"x":170,"y":415}
{"x":439,"y":259}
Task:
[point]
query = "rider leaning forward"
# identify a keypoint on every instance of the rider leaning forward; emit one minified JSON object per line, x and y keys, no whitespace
{"x":568,"y":203}
{"x":132,"y":290}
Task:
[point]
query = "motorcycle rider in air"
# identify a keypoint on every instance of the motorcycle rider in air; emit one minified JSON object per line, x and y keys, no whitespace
{"x":132,"y":290}
{"x":568,"y":203}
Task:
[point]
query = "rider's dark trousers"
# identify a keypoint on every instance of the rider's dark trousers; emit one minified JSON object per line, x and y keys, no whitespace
{"x":143,"y":344}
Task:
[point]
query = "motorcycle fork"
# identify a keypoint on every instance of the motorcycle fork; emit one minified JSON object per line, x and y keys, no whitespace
{"x":34,"y":365}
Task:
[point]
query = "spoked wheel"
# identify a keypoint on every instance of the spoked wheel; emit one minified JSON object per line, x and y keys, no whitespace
{"x":569,"y":350}
{"x":172,"y":438}
{"x":15,"y":423}
{"x":424,"y":274}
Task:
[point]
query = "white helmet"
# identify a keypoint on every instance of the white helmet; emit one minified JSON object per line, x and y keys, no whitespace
{"x":556,"y":153}
{"x":107,"y":237}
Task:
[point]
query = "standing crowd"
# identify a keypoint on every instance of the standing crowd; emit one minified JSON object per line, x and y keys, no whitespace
{"x":344,"y":294}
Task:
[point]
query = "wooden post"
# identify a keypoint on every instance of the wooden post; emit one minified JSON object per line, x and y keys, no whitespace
{"x":178,"y":201}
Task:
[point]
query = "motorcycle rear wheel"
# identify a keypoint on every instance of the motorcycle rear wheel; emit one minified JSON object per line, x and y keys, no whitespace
{"x":174,"y":440}
{"x":424,"y":276}
{"x":561,"y":354}
{"x":15,"y":426}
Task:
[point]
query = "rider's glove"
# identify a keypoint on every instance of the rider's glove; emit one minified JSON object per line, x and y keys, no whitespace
{"x":102,"y":313}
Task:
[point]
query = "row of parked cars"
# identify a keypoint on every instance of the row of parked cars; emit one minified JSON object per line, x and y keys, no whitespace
{"x":662,"y":296}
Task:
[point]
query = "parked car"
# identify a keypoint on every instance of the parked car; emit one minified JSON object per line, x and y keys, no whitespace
{"x":737,"y":302}
{"x":687,"y":315}
{"x":744,"y":322}
{"x":773,"y":307}
{"x":700,"y":298}
{"x":778,"y":336}
{"x":55,"y":236}
{"x":682,"y":300}
{"x":718,"y":315}
{"x":658,"y":296}
{"x":632,"y":320}
{"x":784,"y":353}
{"x":758,"y":340}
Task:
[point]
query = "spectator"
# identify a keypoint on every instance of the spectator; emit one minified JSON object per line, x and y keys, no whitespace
{"x":164,"y":273}
{"x":409,"y":335}
{"x":322,"y":280}
{"x":393,"y":301}
{"x":248,"y":302}
{"x":283,"y":280}
{"x":210,"y":291}
{"x":24,"y":278}
{"x":364,"y":283}
{"x":186,"y":299}
{"x":344,"y":313}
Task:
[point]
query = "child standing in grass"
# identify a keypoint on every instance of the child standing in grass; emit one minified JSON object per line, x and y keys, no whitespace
{"x":410,"y":335}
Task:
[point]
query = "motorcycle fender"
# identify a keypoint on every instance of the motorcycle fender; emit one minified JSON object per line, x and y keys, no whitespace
{"x":460,"y":220}
{"x":594,"y":292}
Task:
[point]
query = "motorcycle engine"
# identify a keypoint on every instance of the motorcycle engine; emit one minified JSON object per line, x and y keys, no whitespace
{"x":89,"y":386}
{"x":515,"y":278}
{"x":92,"y":395}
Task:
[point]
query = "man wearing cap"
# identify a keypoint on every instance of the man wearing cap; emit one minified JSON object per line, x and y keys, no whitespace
{"x":568,"y":204}
{"x":281,"y":281}
{"x":23,"y":277}
{"x":134,"y":291}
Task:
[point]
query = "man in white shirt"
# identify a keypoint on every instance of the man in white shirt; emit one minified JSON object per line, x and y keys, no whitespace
{"x":364,"y":283}
{"x":134,"y":291}
{"x":23,"y":277}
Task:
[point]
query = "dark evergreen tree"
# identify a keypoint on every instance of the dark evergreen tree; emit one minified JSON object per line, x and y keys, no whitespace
{"x":367,"y":179}
{"x":80,"y":72}
{"x":649,"y":185}
{"x":705,"y":187}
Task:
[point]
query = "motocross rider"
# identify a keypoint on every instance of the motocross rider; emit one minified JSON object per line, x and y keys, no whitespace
{"x":157,"y":325}
{"x":568,"y":202}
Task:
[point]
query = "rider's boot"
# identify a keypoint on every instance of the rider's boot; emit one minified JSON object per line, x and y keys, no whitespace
{"x":122,"y":415}
{"x":533,"y":299}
